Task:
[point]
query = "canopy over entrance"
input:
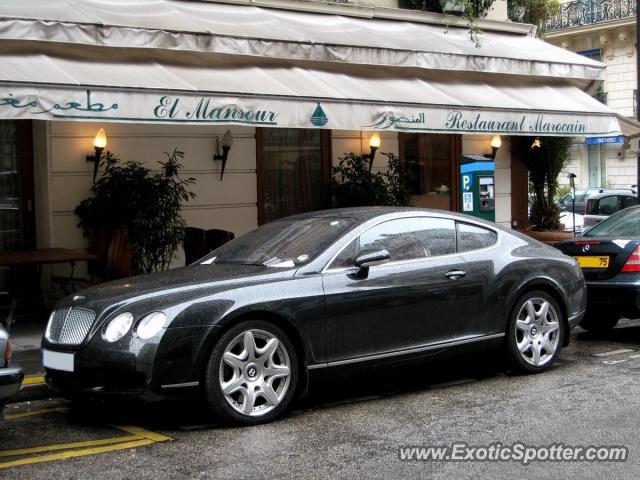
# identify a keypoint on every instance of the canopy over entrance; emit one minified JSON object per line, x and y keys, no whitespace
{"x":107,"y":60}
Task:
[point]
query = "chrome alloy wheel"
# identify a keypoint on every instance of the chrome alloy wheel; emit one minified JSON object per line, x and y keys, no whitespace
{"x":255,"y":372}
{"x":537,"y":331}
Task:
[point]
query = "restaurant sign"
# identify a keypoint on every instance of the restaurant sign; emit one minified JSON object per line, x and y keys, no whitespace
{"x":288,"y":112}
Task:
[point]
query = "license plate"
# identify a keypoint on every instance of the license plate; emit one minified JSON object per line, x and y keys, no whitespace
{"x":593,"y":262}
{"x":58,"y":360}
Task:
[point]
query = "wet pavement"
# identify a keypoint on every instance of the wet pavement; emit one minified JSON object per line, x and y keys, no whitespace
{"x":350,"y":428}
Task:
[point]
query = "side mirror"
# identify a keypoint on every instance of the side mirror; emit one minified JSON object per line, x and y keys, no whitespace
{"x":372,"y":258}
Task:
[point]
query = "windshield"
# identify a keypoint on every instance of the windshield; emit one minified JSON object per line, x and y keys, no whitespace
{"x":625,"y":223}
{"x":283,"y":243}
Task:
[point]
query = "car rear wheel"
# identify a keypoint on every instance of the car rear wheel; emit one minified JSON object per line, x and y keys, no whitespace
{"x":251,"y":374}
{"x":535,"y":332}
{"x":598,"y":320}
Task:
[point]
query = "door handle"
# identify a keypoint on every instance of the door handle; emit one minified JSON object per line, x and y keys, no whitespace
{"x":455,"y":274}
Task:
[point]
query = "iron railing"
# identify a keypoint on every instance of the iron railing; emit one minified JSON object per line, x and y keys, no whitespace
{"x":590,"y":12}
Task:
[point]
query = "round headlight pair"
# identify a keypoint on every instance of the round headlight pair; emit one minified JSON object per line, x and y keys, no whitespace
{"x":121,"y":324}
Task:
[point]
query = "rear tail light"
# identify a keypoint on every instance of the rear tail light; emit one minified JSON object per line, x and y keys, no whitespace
{"x":633,"y":263}
{"x":7,"y":353}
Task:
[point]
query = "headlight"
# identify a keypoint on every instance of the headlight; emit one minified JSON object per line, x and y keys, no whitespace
{"x":118,"y":327}
{"x":150,"y":325}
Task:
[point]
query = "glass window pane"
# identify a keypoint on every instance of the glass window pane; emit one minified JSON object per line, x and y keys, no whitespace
{"x":471,"y":237}
{"x":283,"y":243}
{"x":10,"y":212}
{"x":404,"y":239}
{"x":428,"y":158}
{"x":292,"y":172}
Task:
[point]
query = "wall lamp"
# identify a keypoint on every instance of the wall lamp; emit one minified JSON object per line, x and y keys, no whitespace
{"x":496,"y":143}
{"x":99,"y":144}
{"x":374,"y":144}
{"x":537,"y":143}
{"x":226,"y":144}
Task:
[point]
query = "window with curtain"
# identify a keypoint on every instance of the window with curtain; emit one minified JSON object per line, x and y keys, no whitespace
{"x":292,"y":172}
{"x":429,"y":160}
{"x":10,"y":188}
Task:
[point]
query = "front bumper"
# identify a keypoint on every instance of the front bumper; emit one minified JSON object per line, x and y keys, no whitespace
{"x":131,"y":367}
{"x":10,"y":382}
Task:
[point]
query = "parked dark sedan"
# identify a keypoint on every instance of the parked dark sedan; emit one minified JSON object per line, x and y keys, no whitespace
{"x":248,"y":323}
{"x":609,"y":254}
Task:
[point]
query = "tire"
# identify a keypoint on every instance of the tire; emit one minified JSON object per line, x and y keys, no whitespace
{"x":598,"y":320}
{"x":260,"y":382}
{"x":533,"y":344}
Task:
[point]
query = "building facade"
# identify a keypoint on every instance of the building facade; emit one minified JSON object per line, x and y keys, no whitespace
{"x":296,"y":84}
{"x":604,"y":31}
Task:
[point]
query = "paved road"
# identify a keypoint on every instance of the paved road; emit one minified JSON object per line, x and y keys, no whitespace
{"x":348,"y":429}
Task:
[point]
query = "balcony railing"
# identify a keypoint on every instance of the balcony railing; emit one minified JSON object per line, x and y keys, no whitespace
{"x":590,"y":12}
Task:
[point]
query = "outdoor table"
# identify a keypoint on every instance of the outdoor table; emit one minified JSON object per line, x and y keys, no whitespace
{"x":37,"y":258}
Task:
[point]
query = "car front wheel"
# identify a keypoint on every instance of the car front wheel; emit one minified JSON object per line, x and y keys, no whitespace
{"x":535,"y":332}
{"x":251,"y":374}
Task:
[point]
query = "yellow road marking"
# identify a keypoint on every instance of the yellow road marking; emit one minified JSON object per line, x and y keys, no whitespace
{"x":33,"y":380}
{"x":141,"y":432}
{"x":65,"y":446}
{"x":16,"y":416}
{"x":137,"y":437}
{"x":76,"y":453}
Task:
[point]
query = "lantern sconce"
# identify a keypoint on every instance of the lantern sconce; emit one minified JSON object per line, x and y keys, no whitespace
{"x":537,"y":143}
{"x":374,"y":144}
{"x":496,"y":143}
{"x":99,"y":144}
{"x":226,"y":144}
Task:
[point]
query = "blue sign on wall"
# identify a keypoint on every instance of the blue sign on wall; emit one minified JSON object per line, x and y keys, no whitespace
{"x":602,"y":140}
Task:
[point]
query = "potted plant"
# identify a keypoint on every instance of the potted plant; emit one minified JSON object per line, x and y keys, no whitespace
{"x":545,"y":158}
{"x":144,"y":206}
{"x":352,"y":184}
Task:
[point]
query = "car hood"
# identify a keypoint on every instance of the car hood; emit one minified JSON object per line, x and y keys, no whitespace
{"x":176,"y":285}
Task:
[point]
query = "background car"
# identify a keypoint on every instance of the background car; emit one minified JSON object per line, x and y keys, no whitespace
{"x":609,"y":254}
{"x":582,"y":194}
{"x":10,"y":376}
{"x":602,"y":205}
{"x":248,"y":324}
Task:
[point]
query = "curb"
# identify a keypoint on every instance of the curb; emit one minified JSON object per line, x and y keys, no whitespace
{"x":33,"y":388}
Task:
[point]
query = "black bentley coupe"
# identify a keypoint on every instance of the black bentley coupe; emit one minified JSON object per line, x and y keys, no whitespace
{"x":246,"y":325}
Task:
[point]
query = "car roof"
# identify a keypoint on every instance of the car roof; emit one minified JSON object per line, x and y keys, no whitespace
{"x":625,"y":193}
{"x":364,"y":214}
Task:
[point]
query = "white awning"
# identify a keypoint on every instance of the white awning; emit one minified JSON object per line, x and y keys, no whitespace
{"x":204,"y":26}
{"x":93,"y":76}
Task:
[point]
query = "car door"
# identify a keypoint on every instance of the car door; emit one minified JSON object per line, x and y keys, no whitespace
{"x":411,"y":302}
{"x":476,"y":244}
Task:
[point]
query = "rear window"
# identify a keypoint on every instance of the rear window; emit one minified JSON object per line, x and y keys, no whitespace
{"x":623,"y":224}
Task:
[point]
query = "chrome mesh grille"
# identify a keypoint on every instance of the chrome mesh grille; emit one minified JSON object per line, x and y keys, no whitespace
{"x":70,"y":326}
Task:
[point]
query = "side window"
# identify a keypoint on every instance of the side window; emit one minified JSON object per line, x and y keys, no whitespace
{"x":472,"y":237}
{"x":609,"y":205}
{"x":404,"y":239}
{"x":630,"y":201}
{"x":347,"y":257}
